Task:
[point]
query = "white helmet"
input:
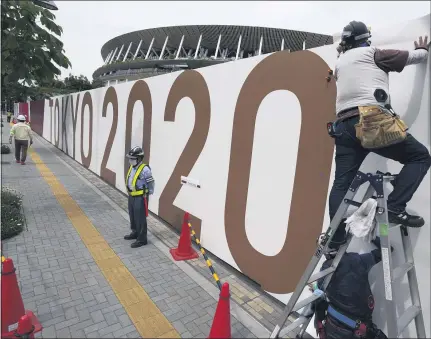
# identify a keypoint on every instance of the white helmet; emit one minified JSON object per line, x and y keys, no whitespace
{"x":21,"y":117}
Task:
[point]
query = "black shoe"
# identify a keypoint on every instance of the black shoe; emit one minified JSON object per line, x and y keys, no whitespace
{"x":405,"y":219}
{"x":137,"y":244}
{"x":339,"y":238}
{"x":131,"y":236}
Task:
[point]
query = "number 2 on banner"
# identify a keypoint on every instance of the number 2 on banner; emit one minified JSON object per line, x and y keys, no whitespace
{"x":200,"y":97}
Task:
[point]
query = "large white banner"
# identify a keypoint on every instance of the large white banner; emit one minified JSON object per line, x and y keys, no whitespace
{"x":253,"y":134}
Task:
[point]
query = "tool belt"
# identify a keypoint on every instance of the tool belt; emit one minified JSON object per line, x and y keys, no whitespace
{"x":341,"y":116}
{"x":378,"y":127}
{"x":357,"y":326}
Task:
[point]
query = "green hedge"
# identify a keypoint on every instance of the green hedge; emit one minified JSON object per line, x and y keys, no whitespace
{"x":5,"y":149}
{"x":12,"y":218}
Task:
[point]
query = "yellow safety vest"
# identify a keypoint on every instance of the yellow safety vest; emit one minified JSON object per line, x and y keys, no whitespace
{"x":134,"y":192}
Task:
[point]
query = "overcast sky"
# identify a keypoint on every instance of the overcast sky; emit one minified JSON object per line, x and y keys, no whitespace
{"x":87,"y":25}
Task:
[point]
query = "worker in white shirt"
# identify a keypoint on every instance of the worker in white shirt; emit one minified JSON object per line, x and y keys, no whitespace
{"x":22,"y":134}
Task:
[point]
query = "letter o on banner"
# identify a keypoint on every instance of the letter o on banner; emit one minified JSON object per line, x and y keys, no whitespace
{"x":56,"y":123}
{"x":87,"y":100}
{"x":139,"y":92}
{"x":302,"y":73}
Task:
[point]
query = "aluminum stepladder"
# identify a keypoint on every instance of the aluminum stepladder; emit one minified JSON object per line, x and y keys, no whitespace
{"x":396,"y":325}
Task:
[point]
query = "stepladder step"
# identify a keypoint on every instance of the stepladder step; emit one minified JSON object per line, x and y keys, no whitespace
{"x":407,"y":317}
{"x":401,"y":271}
{"x":377,"y":191}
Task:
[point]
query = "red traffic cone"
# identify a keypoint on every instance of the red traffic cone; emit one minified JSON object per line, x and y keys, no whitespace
{"x":221,"y":323}
{"x":184,"y":251}
{"x":11,"y":301}
{"x":13,"y":314}
{"x":28,"y":325}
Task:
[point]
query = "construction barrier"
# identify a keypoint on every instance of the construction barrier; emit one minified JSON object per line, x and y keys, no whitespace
{"x":221,"y":327}
{"x":184,"y":251}
{"x":207,"y":260}
{"x":218,"y":137}
{"x":16,"y":322}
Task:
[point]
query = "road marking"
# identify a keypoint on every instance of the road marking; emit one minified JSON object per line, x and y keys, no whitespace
{"x":147,"y":318}
{"x":247,"y":319}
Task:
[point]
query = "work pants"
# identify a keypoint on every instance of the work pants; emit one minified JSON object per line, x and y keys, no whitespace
{"x":138,"y":217}
{"x":21,"y":147}
{"x":349,"y":155}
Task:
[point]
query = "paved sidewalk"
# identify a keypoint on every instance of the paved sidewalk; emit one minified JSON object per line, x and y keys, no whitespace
{"x":64,"y":281}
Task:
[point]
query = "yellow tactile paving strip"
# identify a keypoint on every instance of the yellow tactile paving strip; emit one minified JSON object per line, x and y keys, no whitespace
{"x":147,"y":318}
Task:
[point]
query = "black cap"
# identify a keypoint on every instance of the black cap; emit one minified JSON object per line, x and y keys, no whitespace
{"x":135,"y":152}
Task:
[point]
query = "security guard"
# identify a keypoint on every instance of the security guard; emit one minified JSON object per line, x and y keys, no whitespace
{"x":140,"y":184}
{"x":22,"y":133}
{"x":360,"y":71}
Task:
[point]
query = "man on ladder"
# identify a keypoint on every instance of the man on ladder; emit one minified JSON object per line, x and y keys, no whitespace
{"x":366,"y":123}
{"x":348,"y":298}
{"x":139,"y":184}
{"x":355,"y":92}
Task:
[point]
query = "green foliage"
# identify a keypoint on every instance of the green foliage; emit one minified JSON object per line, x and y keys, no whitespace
{"x":48,"y":89}
{"x":5,"y":149}
{"x":12,"y":218}
{"x":77,"y":84}
{"x":97,"y":83}
{"x":31,"y":52}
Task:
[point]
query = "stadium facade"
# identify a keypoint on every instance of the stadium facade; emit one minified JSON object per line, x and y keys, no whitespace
{"x":154,"y":51}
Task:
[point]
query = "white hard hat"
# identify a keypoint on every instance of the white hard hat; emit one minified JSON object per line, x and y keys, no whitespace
{"x":21,"y":117}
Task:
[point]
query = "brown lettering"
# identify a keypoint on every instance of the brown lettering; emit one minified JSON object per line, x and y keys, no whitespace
{"x":56,"y":123}
{"x":110,"y":97}
{"x":51,"y":103}
{"x":188,"y":84}
{"x":139,"y":92}
{"x":304,"y":74}
{"x":86,"y":160}
{"x":74,"y":120}
{"x":64,"y":100}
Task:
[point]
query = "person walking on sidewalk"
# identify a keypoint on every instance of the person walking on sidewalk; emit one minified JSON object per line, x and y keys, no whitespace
{"x":22,"y":134}
{"x":362,"y":76}
{"x":140,"y":184}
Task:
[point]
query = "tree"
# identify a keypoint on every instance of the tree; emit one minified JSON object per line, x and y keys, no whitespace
{"x":77,"y":84}
{"x":96,"y":83}
{"x":56,"y":86}
{"x":31,"y":53}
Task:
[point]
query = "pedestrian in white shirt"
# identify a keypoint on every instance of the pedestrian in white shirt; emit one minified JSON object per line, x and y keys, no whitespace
{"x":22,"y":134}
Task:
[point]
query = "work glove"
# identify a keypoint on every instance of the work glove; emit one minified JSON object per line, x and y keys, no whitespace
{"x":422,"y":44}
{"x":31,"y":142}
{"x":10,"y":140}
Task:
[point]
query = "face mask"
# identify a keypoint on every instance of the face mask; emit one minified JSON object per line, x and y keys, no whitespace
{"x":133,"y":162}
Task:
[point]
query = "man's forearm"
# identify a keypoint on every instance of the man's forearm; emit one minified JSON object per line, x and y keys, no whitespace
{"x":417,"y":56}
{"x":151,"y":186}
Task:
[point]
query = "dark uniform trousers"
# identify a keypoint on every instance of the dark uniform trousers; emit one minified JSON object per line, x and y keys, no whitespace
{"x":138,"y":217}
{"x":21,"y":147}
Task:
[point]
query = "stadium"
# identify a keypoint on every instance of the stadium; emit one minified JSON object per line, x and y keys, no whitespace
{"x":155,"y":51}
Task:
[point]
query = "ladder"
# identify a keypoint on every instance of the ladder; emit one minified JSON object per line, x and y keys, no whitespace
{"x":396,"y":325}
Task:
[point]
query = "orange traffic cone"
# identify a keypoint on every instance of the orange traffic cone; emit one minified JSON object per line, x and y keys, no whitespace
{"x":184,"y":251}
{"x":13,"y":316}
{"x":221,"y":323}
